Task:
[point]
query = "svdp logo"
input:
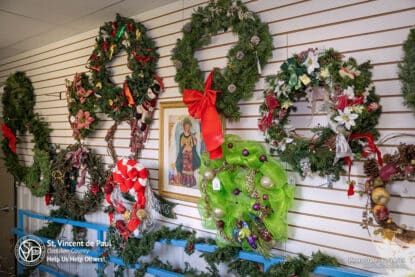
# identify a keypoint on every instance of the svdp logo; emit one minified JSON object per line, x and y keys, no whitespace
{"x":30,"y":250}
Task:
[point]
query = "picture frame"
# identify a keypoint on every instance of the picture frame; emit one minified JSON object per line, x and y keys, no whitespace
{"x":180,"y":152}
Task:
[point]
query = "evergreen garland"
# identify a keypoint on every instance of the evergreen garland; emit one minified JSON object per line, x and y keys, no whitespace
{"x":18,"y":115}
{"x":252,"y":50}
{"x":407,"y":70}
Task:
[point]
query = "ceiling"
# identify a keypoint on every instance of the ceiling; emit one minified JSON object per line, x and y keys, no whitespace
{"x":29,"y":24}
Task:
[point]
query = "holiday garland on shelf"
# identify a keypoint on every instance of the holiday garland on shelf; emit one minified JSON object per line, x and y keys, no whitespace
{"x":134,"y":249}
{"x":82,"y":106}
{"x":348,"y":99}
{"x":245,"y":59}
{"x":18,"y":102}
{"x":407,"y":70}
{"x":245,"y":196}
{"x":398,"y":167}
{"x":136,"y":100}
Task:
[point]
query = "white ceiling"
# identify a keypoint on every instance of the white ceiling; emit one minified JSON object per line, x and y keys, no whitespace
{"x":28,"y":24}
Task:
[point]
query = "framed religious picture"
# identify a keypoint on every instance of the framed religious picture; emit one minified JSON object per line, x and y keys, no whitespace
{"x":181,"y":149}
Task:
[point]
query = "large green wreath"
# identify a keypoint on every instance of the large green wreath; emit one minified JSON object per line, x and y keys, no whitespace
{"x":253,"y":50}
{"x":78,"y":166}
{"x":349,"y":100}
{"x":18,"y":101}
{"x":120,"y":103}
{"x":407,"y":71}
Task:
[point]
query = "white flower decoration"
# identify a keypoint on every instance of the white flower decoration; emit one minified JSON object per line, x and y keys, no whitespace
{"x":311,"y":62}
{"x":346,"y":118}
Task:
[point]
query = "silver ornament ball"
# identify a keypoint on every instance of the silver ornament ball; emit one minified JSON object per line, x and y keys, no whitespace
{"x":218,"y":213}
{"x":266,"y":182}
{"x":208,"y":175}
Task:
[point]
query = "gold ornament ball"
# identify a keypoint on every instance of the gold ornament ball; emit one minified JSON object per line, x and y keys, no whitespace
{"x":208,"y":175}
{"x":141,"y":214}
{"x":218,"y":213}
{"x":266,"y":182}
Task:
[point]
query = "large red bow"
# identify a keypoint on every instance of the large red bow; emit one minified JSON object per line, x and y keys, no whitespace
{"x":272,"y":103}
{"x":8,"y":134}
{"x":202,"y":105}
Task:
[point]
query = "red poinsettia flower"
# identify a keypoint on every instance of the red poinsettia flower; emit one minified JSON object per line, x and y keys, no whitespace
{"x":94,"y":188}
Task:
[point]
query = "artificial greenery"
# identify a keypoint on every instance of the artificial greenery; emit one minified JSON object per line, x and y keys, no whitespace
{"x":252,"y":50}
{"x":407,"y":70}
{"x":135,"y":248}
{"x":53,"y":229}
{"x":67,"y":173}
{"x":82,"y":106}
{"x":18,"y":101}
{"x":123,"y":34}
{"x":349,"y":101}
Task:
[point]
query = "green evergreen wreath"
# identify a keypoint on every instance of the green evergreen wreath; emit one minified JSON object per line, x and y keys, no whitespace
{"x":121,"y":103}
{"x":349,"y":100}
{"x":18,"y":115}
{"x":252,"y":50}
{"x":407,"y":70}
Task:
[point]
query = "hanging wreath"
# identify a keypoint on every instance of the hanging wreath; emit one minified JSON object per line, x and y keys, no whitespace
{"x":82,"y":105}
{"x":129,"y":198}
{"x":78,"y":171}
{"x":407,"y":70}
{"x":348,"y":99}
{"x":137,"y":98}
{"x":398,"y":167}
{"x":245,"y":59}
{"x":245,"y":196}
{"x":18,"y":101}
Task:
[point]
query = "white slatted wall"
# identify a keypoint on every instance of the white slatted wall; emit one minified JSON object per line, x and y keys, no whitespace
{"x":321,"y":218}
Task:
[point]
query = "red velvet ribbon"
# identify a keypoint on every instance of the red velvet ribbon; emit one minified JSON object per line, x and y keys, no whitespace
{"x":202,"y":105}
{"x":344,"y":101}
{"x":8,"y":134}
{"x":371,"y":142}
{"x":271,"y":102}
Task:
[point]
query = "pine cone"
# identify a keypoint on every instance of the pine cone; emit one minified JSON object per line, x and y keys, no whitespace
{"x":371,"y":168}
{"x":406,"y":153}
{"x":391,"y":159}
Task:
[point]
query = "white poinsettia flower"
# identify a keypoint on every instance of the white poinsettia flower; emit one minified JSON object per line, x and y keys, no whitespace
{"x":349,"y":91}
{"x":346,"y":118}
{"x":283,"y":144}
{"x":311,"y":62}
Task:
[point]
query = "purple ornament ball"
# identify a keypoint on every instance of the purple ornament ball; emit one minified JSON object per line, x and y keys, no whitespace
{"x":255,"y":207}
{"x":245,"y":152}
{"x":236,"y":191}
{"x":220,"y":224}
{"x":230,"y":145}
{"x":265,"y":197}
{"x":263,"y":158}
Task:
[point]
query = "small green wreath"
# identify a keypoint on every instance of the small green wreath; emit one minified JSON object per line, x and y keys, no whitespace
{"x":121,"y":103}
{"x":349,"y":100}
{"x":407,"y":71}
{"x":252,"y":51}
{"x":18,"y":115}
{"x":78,"y":167}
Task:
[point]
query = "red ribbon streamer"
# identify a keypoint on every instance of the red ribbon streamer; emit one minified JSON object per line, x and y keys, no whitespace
{"x":8,"y":134}
{"x":202,"y":105}
{"x":271,"y":102}
{"x":344,"y":101}
{"x":350,"y":191}
{"x":371,"y":142}
{"x":160,"y":81}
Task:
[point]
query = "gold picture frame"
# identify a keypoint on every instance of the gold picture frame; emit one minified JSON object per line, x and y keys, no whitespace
{"x":180,"y":152}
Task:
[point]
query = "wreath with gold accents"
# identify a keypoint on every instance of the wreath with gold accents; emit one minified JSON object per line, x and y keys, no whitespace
{"x":398,"y":167}
{"x":136,"y":100}
{"x":82,"y":106}
{"x":78,"y":171}
{"x":251,"y":52}
{"x":18,"y":102}
{"x":348,"y":99}
{"x":246,"y":196}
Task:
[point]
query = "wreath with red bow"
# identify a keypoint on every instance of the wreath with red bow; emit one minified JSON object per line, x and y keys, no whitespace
{"x":136,"y":100}
{"x":347,"y":98}
{"x":398,"y":167}
{"x":18,"y":102}
{"x":245,"y":59}
{"x":129,"y":197}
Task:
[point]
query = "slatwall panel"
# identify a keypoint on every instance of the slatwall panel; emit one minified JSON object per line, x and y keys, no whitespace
{"x":320,"y":218}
